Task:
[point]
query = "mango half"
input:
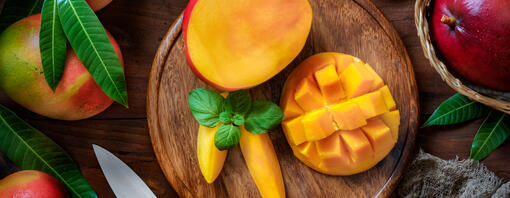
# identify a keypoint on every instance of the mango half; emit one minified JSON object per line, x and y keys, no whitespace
{"x":239,"y":44}
{"x":340,"y":118}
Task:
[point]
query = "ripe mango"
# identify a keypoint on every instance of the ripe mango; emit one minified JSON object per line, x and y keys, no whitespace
{"x":349,"y":120}
{"x":210,"y":158}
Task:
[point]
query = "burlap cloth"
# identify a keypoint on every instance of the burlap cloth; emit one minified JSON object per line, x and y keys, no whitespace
{"x":430,"y":176}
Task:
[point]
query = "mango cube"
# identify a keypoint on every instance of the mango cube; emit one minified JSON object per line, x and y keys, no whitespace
{"x":318,"y":124}
{"x":343,"y":61}
{"x":331,"y":152}
{"x":371,"y":104}
{"x":378,"y":82}
{"x":294,"y":131}
{"x":329,"y":84}
{"x":379,"y":135}
{"x":309,"y":151}
{"x":392,"y":120}
{"x":291,"y":108}
{"x":308,"y":96}
{"x":388,"y":98}
{"x":348,"y":115}
{"x":356,"y":80}
{"x":357,"y":144}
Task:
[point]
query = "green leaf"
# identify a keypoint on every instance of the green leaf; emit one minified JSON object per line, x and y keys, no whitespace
{"x":238,"y":102}
{"x":492,"y":133}
{"x":14,"y":10}
{"x":31,"y":150}
{"x":53,"y":44}
{"x":456,"y":109}
{"x":238,"y":119}
{"x":264,"y":116}
{"x":225,"y":117}
{"x":206,"y":106}
{"x":227,"y":136}
{"x":92,"y":45}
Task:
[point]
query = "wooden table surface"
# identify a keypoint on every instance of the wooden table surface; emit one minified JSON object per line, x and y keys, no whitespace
{"x":139,"y":25}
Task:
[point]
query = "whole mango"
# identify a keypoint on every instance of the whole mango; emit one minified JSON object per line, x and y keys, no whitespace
{"x":33,"y":184}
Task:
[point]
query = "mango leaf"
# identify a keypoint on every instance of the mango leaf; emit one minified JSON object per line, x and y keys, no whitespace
{"x":31,"y":150}
{"x":53,"y":44}
{"x":456,"y":109}
{"x":92,"y":45}
{"x":14,"y":10}
{"x":492,"y":133}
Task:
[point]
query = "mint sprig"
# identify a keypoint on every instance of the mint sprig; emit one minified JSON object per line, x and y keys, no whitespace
{"x":210,"y":109}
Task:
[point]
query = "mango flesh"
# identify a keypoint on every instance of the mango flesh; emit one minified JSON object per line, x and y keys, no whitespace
{"x":210,"y":158}
{"x":349,"y":120}
{"x":239,"y":44}
{"x":31,"y":183}
{"x":260,"y":157}
{"x":76,"y":97}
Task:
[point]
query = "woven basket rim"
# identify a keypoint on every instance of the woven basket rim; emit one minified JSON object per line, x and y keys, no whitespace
{"x":422,"y":26}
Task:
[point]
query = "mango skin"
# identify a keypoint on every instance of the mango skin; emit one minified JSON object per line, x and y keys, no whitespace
{"x":21,"y":76}
{"x":98,"y":4}
{"x":210,"y":159}
{"x":33,"y":184}
{"x":262,"y":162}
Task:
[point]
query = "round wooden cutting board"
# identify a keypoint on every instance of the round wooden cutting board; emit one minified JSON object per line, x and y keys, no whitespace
{"x":354,"y":27}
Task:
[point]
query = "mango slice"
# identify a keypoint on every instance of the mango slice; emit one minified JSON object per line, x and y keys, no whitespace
{"x":348,"y":121}
{"x":210,"y":158}
{"x":260,"y":157}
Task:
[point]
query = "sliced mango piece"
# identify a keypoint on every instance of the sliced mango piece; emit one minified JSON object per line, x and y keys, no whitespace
{"x":260,"y":157}
{"x":308,"y":96}
{"x":355,"y":80}
{"x":318,"y":124}
{"x":371,"y":104}
{"x":388,"y":98}
{"x":379,"y":135}
{"x":348,"y":115}
{"x":333,"y":155}
{"x":294,"y":131}
{"x":357,"y":144}
{"x":329,"y":84}
{"x":378,"y":82}
{"x":291,"y":108}
{"x":210,"y":159}
{"x":343,"y":61}
{"x":392,"y":120}
{"x":309,"y":150}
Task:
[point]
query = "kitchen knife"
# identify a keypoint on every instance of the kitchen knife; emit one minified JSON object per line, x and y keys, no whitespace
{"x":122,"y":179}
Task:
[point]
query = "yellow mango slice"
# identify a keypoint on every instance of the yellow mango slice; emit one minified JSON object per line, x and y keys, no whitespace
{"x":388,"y":98}
{"x":329,"y":84}
{"x":348,"y":115}
{"x":358,"y":145}
{"x":291,"y":108}
{"x":355,"y":80}
{"x":392,"y":120}
{"x":378,"y":82}
{"x":294,"y":131}
{"x":260,"y":157}
{"x":318,"y":124}
{"x":210,"y":158}
{"x":379,"y":136}
{"x":308,"y":96}
{"x":371,"y":104}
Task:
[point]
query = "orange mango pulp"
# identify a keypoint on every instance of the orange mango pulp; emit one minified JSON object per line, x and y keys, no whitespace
{"x":239,"y":44}
{"x":340,"y":118}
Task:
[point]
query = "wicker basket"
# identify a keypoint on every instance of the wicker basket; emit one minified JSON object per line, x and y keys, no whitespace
{"x":495,"y":99}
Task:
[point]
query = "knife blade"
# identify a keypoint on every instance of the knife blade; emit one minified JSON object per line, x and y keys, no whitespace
{"x":122,"y":179}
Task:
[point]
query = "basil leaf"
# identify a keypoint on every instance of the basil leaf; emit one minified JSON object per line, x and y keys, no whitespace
{"x":456,"y":109}
{"x":238,"y":119}
{"x":492,"y":133}
{"x":264,"y":115}
{"x":225,"y":117}
{"x":227,"y":136}
{"x":238,"y":102}
{"x":205,"y":105}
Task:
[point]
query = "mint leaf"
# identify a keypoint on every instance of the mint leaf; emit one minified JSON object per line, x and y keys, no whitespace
{"x":456,"y":109}
{"x":264,"y":115}
{"x":227,"y":136}
{"x":205,"y":105}
{"x":238,"y":119}
{"x":238,"y":102}
{"x":494,"y":130}
{"x":225,"y":117}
